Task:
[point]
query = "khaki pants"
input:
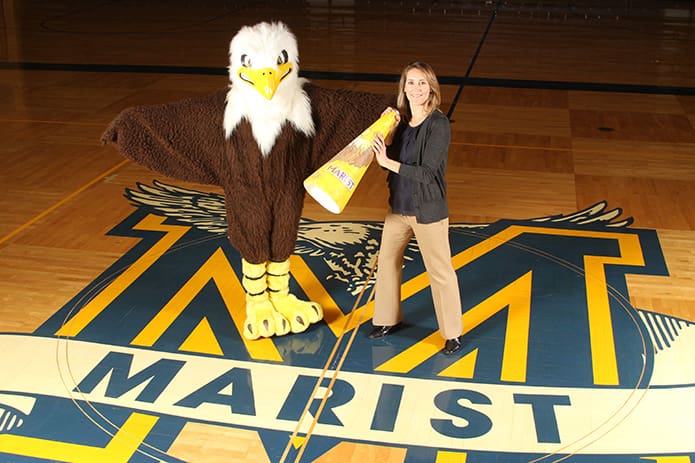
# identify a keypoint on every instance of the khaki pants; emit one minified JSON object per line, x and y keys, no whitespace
{"x":433,"y":241}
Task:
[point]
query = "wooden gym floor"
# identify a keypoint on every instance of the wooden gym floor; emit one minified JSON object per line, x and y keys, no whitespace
{"x":555,"y":106}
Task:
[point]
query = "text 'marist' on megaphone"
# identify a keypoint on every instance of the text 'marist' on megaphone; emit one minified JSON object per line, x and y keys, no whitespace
{"x":333,"y":184}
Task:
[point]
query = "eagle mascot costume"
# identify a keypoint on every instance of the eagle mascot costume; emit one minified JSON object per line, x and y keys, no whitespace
{"x":258,"y":140}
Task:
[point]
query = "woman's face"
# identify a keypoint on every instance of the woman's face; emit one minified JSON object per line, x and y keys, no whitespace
{"x":417,"y":89}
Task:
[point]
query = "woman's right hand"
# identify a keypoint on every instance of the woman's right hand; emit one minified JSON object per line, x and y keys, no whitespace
{"x":392,"y":109}
{"x":389,"y":136}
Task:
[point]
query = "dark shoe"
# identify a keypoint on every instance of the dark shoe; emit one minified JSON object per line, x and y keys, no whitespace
{"x":451,"y":346}
{"x":381,"y":331}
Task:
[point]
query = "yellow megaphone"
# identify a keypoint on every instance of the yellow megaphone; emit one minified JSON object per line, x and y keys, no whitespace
{"x":332,"y":184}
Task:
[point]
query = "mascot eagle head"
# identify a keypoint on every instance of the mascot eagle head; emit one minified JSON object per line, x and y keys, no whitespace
{"x":265,"y":88}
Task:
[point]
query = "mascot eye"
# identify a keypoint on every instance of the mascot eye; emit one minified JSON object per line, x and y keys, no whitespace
{"x":282,"y":57}
{"x":245,"y":61}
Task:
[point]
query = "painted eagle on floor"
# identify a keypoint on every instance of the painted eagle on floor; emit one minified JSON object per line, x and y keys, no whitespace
{"x":258,"y":140}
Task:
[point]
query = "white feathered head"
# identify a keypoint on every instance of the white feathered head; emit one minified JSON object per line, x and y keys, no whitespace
{"x":265,"y":85}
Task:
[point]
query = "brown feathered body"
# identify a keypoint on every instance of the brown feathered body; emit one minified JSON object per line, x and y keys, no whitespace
{"x":264,"y":195}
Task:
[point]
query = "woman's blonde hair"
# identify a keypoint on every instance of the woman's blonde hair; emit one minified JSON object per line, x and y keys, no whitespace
{"x":435,"y":97}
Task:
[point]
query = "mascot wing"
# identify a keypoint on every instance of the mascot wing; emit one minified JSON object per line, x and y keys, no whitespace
{"x":596,"y":214}
{"x":204,"y":211}
{"x":341,"y":115}
{"x":183,"y":139}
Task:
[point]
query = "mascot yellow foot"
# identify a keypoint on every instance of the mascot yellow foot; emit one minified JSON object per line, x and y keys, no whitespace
{"x":299,"y":313}
{"x":262,"y":320}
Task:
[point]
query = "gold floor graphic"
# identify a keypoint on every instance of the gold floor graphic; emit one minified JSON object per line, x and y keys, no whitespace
{"x":556,"y":362}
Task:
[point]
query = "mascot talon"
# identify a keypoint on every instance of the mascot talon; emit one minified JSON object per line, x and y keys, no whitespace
{"x":262,"y":320}
{"x":300,"y":313}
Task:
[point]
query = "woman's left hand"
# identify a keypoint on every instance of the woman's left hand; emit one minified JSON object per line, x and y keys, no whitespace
{"x":379,"y":148}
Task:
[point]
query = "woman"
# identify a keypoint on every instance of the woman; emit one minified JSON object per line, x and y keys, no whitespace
{"x":417,"y":161}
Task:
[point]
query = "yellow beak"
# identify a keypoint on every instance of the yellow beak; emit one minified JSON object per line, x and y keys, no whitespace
{"x":266,"y":80}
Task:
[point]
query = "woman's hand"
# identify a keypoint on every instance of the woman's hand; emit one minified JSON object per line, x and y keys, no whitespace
{"x":379,"y":148}
{"x":389,"y":137}
{"x":379,"y":145}
{"x":391,"y":109}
